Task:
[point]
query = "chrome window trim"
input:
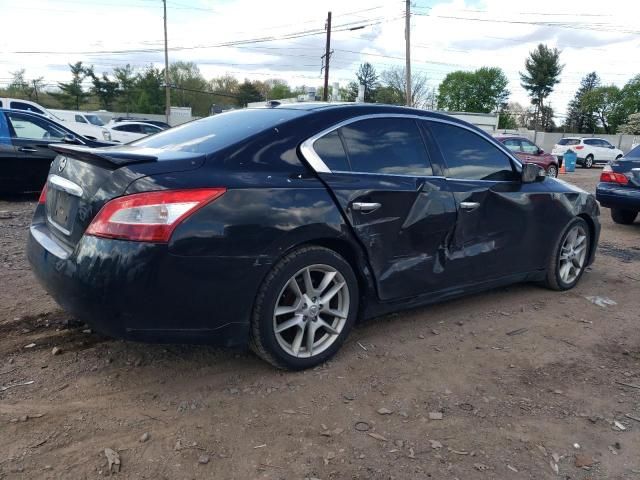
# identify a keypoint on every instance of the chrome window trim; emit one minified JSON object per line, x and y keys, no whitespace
{"x":66,"y":185}
{"x":320,"y":167}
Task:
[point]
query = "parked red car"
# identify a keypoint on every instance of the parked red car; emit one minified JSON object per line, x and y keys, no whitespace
{"x":528,"y":152}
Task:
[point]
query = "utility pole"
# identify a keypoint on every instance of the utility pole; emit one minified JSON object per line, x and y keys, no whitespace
{"x":407,"y":38}
{"x":327,"y":54}
{"x":167,"y":89}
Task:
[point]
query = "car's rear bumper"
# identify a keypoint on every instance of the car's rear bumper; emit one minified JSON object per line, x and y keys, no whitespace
{"x":613,"y":196}
{"x":141,"y":291}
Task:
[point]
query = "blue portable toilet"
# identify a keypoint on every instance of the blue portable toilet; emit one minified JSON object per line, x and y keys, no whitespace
{"x":570,"y":157}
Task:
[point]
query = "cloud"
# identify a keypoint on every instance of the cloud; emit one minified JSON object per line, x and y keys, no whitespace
{"x":601,"y":37}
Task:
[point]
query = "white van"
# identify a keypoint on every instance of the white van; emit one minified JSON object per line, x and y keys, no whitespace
{"x":83,"y":127}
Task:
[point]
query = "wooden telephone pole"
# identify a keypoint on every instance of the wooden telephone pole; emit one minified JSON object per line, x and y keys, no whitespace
{"x":407,"y":39}
{"x":167,"y":88}
{"x":327,"y":55}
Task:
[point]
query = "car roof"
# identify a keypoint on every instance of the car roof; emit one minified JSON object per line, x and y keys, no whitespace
{"x":134,"y":122}
{"x":507,"y":136}
{"x":357,"y":109}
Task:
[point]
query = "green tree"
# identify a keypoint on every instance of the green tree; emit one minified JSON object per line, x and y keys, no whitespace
{"x":150,"y":91}
{"x":481,"y":91}
{"x":629,"y":102}
{"x":226,"y":88}
{"x":126,"y":79}
{"x":368,"y":77}
{"x":277,"y":89}
{"x":247,"y":93}
{"x":632,"y":126}
{"x":72,"y":94}
{"x":604,"y":102}
{"x":189,"y":88}
{"x":579,"y":118}
{"x":541,"y":75}
{"x":102,"y":87}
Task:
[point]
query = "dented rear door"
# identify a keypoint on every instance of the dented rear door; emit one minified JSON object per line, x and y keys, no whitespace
{"x":397,"y":204}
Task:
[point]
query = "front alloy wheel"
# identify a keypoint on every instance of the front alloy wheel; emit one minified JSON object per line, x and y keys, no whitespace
{"x":552,"y":171}
{"x":569,"y":260}
{"x":304,"y":308}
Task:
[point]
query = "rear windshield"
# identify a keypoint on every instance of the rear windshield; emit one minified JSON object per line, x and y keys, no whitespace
{"x":569,"y":141}
{"x":213,"y":133}
{"x":634,"y":153}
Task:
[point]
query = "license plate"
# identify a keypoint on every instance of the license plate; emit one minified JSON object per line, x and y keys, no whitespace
{"x":60,"y":207}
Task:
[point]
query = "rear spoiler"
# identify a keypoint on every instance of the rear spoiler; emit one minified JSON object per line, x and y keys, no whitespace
{"x":104,"y":158}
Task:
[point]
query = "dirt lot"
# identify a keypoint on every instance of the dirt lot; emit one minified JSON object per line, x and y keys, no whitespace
{"x":516,"y":383}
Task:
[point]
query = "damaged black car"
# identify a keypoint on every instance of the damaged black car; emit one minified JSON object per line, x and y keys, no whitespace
{"x":279,"y":227}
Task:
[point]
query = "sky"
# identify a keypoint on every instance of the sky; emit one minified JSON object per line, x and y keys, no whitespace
{"x":285,"y":38}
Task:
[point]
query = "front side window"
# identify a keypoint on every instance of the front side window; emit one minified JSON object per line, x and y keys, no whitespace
{"x":386,"y":146}
{"x":512,"y":144}
{"x":149,"y":130}
{"x":469,"y":156}
{"x":593,"y":143}
{"x":31,"y":127}
{"x":329,"y":148}
{"x":529,"y":147}
{"x":131,"y":128}
{"x":80,"y":119}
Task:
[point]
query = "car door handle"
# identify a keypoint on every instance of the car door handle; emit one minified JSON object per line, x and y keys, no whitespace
{"x":469,"y":205}
{"x":27,"y":149}
{"x":366,"y":206}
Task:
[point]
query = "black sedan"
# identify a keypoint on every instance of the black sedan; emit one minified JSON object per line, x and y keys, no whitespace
{"x":278,"y":227}
{"x":619,"y":187}
{"x":25,"y":156}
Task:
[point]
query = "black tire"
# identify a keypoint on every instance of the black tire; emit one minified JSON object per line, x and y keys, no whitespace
{"x":263,"y":340}
{"x":553,"y":280}
{"x":624,"y":217}
{"x":552,"y":171}
{"x":588,"y":161}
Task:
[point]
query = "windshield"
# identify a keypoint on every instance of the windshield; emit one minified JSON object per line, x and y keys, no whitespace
{"x":213,"y":133}
{"x":94,"y":120}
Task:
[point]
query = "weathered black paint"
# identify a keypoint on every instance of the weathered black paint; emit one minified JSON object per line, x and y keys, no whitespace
{"x":419,"y":247}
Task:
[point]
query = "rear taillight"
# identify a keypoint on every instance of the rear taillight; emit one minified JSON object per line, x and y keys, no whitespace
{"x":579,"y":147}
{"x":609,"y":176}
{"x":150,"y":216}
{"x":42,"y":199}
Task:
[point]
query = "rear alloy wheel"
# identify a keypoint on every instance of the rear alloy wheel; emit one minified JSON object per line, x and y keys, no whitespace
{"x":304,"y":309}
{"x":625,"y":217}
{"x":569,"y":259}
{"x":588,"y":162}
{"x":552,"y":171}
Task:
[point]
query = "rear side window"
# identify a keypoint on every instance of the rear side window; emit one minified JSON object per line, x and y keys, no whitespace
{"x":131,"y":128}
{"x":469,"y":156}
{"x":219,"y":131}
{"x":329,"y":148}
{"x":569,"y":141}
{"x":386,"y":146}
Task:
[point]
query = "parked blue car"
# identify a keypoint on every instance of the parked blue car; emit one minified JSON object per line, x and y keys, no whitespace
{"x":619,"y":187}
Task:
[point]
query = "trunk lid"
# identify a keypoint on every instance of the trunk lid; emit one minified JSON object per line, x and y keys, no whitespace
{"x":81,"y":180}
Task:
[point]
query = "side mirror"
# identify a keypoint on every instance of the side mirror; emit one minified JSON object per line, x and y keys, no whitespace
{"x":611,"y":147}
{"x":70,"y":138}
{"x":540,"y":151}
{"x":532,"y":173}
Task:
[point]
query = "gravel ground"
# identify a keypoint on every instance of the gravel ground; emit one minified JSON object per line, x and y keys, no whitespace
{"x":519,"y":382}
